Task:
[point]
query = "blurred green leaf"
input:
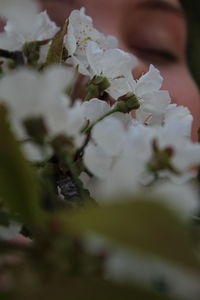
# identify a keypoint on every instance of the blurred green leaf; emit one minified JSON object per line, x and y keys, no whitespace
{"x":4,"y":218}
{"x":142,"y":225}
{"x":18,"y":185}
{"x":85,"y":289}
{"x":6,"y":296}
{"x":56,"y":49}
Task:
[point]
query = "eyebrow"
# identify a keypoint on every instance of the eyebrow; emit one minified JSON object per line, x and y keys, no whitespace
{"x":161,"y":5}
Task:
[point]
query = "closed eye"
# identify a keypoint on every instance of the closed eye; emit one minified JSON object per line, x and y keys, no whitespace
{"x":153,"y":55}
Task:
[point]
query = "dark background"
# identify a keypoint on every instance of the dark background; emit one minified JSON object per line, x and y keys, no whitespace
{"x":192,"y":10}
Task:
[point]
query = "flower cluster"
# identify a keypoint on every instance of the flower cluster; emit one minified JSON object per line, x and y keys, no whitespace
{"x":72,"y":102}
{"x":121,"y":154}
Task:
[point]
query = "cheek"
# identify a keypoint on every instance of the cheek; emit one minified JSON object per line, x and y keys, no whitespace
{"x":183,"y":91}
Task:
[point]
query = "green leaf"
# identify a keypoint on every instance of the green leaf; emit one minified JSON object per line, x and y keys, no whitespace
{"x":145,"y":226}
{"x":4,"y":218}
{"x":18,"y":185}
{"x":85,"y":289}
{"x":56,"y":50}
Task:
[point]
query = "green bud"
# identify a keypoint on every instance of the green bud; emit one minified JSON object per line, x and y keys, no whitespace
{"x":32,"y":52}
{"x":36,"y":129}
{"x":131,"y":101}
{"x":97,"y":86}
{"x":122,"y":107}
{"x":101,"y":82}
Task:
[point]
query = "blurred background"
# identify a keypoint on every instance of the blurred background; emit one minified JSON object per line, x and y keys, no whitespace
{"x":192,"y":10}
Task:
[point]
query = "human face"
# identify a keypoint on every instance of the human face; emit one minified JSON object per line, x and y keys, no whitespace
{"x":154,"y":30}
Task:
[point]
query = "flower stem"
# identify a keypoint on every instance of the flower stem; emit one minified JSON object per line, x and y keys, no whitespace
{"x":89,"y":127}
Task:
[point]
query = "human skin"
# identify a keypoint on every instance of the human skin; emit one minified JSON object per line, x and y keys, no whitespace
{"x":154,"y":30}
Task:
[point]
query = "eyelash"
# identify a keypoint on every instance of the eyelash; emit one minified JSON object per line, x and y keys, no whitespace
{"x":163,"y":56}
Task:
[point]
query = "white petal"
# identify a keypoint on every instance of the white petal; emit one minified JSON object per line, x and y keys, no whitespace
{"x":111,"y":63}
{"x":8,"y":43}
{"x":179,"y":116}
{"x":94,"y":109}
{"x":70,"y":40}
{"x":75,"y":119}
{"x":156,"y":102}
{"x":44,"y":28}
{"x":20,"y":12}
{"x":97,"y":161}
{"x":149,"y":82}
{"x":33,"y":153}
{"x":187,"y":156}
{"x":109,"y":134}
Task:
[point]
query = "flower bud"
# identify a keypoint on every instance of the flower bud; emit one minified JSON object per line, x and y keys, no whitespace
{"x":127,"y":102}
{"x":32,"y":52}
{"x":97,"y":86}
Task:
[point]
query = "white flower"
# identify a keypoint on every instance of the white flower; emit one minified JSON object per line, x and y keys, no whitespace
{"x":113,"y":64}
{"x":153,"y":101}
{"x":14,"y":37}
{"x":111,"y":158}
{"x":80,"y":32}
{"x":108,"y":139}
{"x":28,"y":93}
{"x":186,"y":155}
{"x":118,"y":154}
{"x":21,"y":13}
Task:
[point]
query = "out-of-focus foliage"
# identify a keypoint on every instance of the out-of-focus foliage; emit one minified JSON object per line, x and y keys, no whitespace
{"x":192,"y":10}
{"x":18,"y":186}
{"x":144,"y":226}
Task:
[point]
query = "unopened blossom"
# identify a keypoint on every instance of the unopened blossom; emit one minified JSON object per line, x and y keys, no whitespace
{"x":80,"y":32}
